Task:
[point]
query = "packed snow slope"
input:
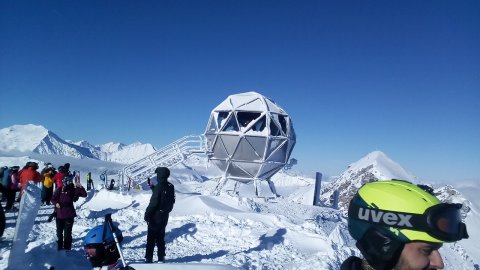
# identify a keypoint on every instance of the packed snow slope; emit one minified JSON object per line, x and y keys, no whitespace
{"x":233,"y":230}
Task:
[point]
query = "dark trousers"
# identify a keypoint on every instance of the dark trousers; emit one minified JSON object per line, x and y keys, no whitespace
{"x":47,"y":194}
{"x":10,"y":194}
{"x":64,"y":233}
{"x":156,"y":237}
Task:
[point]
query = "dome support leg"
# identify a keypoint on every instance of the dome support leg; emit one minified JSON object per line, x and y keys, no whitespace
{"x":272,"y":187}
{"x":257,"y":187}
{"x":220,"y":185}
{"x":236,"y":187}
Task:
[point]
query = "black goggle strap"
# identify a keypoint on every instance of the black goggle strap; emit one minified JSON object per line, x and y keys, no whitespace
{"x":402,"y":220}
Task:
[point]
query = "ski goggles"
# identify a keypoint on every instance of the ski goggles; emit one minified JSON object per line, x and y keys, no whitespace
{"x":442,"y":221}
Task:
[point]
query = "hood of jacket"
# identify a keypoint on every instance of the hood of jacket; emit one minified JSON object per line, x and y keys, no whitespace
{"x":162,"y":174}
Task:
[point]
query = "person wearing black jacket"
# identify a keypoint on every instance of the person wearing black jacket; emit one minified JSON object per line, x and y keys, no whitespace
{"x":156,"y":214}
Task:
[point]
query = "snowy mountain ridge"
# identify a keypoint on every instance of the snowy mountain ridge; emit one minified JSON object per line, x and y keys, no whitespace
{"x":318,"y":236}
{"x":374,"y":166}
{"x":37,"y":139}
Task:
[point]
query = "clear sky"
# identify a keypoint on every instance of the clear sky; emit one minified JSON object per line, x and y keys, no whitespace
{"x":402,"y":77}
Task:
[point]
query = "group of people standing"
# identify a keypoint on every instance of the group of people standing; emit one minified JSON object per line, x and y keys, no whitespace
{"x":57,"y":188}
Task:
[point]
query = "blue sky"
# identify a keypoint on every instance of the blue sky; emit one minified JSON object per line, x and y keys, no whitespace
{"x":402,"y":77}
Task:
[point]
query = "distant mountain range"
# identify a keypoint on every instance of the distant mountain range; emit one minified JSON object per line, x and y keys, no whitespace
{"x":37,"y":139}
{"x":21,"y":143}
{"x":33,"y":139}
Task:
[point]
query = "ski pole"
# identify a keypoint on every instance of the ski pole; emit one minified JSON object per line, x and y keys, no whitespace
{"x":108,"y":218}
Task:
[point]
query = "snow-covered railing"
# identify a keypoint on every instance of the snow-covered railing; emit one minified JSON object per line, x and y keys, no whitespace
{"x":166,"y":156}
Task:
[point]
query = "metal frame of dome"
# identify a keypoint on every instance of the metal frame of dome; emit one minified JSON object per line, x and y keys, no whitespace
{"x":249,"y":137}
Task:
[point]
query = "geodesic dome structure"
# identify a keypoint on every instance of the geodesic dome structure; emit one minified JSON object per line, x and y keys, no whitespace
{"x":249,"y":137}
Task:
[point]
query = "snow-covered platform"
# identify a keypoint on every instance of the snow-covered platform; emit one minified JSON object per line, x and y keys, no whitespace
{"x":182,"y":266}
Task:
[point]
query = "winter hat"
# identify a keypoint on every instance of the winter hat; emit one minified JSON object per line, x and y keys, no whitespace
{"x":67,"y":180}
{"x":67,"y":166}
{"x":33,"y":165}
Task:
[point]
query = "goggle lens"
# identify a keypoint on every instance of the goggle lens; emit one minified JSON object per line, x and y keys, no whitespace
{"x":447,"y":219}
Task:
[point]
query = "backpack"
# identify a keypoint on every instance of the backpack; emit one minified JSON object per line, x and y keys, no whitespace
{"x":6,"y":180}
{"x":1,"y":170}
{"x":169,"y":199}
{"x":48,"y":182}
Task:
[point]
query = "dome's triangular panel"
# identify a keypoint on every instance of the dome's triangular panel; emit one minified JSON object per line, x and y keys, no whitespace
{"x":279,"y":154}
{"x":230,"y":143}
{"x":226,"y":105}
{"x":268,"y":169}
{"x":221,"y":118}
{"x":236,"y":171}
{"x":258,"y":144}
{"x":258,"y":126}
{"x":231,"y":124}
{"x":245,"y":151}
{"x":249,"y":167}
{"x":255,"y":105}
{"x":221,"y":164}
{"x":273,"y":107}
{"x":220,"y":150}
{"x":290,"y":146}
{"x":212,"y":126}
{"x":210,"y":138}
{"x":273,"y":144}
{"x":275,"y":128}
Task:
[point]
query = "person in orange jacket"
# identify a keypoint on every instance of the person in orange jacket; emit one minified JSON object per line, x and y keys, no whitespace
{"x":29,"y":172}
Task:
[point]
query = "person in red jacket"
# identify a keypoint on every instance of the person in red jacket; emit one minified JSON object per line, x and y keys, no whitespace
{"x":58,"y":177}
{"x":63,"y":199}
{"x":29,"y":173}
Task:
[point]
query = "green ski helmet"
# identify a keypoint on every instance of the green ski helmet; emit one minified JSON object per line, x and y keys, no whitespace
{"x":385,"y":215}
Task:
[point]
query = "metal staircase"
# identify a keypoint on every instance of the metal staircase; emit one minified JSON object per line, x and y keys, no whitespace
{"x":167,"y":156}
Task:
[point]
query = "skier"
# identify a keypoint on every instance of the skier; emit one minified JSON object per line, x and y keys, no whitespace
{"x":100,"y":247}
{"x":29,"y":173}
{"x":156,"y":214}
{"x":112,"y":184}
{"x":399,"y":225}
{"x":58,"y":178}
{"x":47,"y":188}
{"x":63,"y":199}
{"x":13,"y":187}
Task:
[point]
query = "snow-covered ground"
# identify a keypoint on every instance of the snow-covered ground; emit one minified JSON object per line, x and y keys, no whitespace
{"x":240,"y":231}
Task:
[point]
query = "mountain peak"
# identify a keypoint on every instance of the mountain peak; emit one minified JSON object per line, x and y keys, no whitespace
{"x":23,"y":138}
{"x":372,"y":167}
{"x":382,"y":167}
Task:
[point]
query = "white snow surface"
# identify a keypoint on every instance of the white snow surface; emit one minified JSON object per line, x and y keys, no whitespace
{"x":243,"y":232}
{"x":21,"y":137}
{"x":385,"y":168}
{"x":36,"y":139}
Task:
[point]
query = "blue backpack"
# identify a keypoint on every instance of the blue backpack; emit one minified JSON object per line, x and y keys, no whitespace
{"x":6,"y":179}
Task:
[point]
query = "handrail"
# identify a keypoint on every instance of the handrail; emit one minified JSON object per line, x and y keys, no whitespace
{"x":167,"y":156}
